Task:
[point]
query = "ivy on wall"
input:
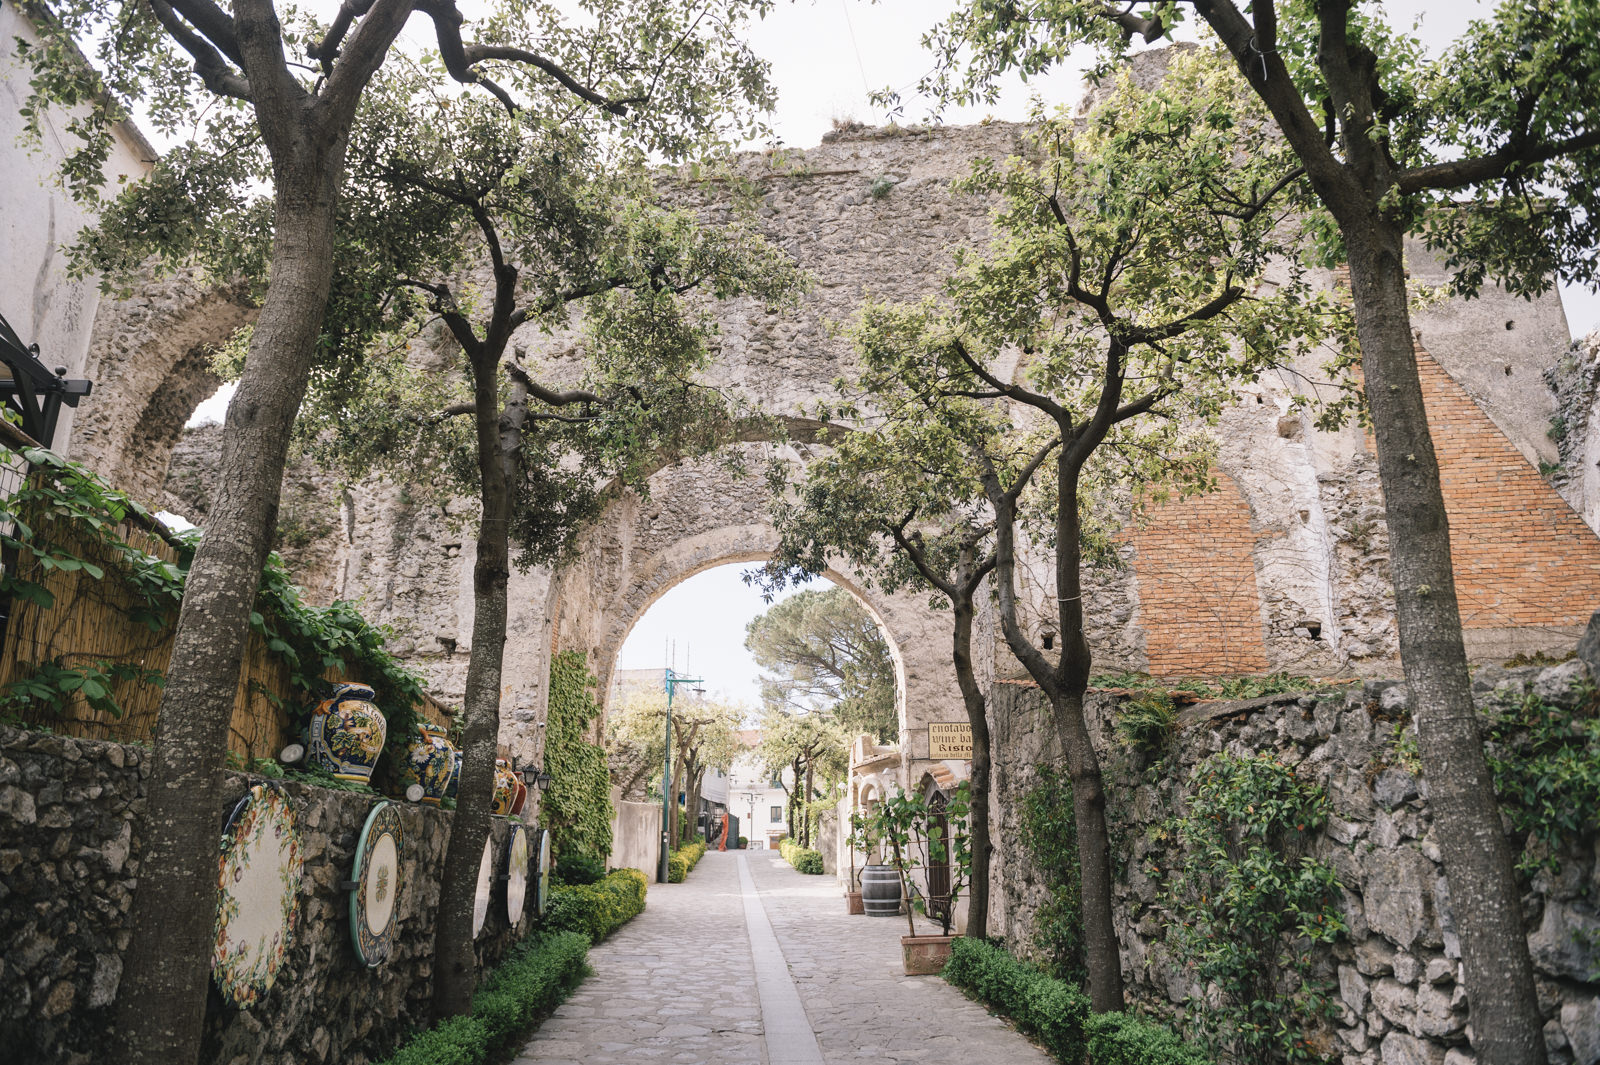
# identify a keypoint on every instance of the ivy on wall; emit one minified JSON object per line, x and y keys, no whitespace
{"x":63,"y":518}
{"x":1050,"y":832}
{"x":577,"y":807}
{"x":1248,"y":904}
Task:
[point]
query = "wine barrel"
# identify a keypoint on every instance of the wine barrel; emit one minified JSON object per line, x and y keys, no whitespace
{"x":880,"y":891}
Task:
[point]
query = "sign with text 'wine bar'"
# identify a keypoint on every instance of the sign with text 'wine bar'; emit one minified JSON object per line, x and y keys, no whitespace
{"x":950,"y":739}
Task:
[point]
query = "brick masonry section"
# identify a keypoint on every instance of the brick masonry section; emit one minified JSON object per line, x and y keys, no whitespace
{"x":1523,"y":557}
{"x":1200,"y":607}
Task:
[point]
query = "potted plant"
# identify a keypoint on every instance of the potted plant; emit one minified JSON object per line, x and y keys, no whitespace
{"x":919,"y":835}
{"x":861,"y":838}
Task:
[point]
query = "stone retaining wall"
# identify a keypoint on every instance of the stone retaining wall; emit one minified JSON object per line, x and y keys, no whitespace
{"x":1396,"y":973}
{"x":70,"y":813}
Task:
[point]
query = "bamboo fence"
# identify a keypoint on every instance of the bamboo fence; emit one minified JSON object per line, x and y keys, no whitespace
{"x":90,"y":624}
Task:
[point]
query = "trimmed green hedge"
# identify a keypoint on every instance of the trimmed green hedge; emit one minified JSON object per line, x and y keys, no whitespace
{"x":596,"y":910}
{"x":534,"y":978}
{"x":1058,"y":1014}
{"x":683,"y":860}
{"x":803,"y":859}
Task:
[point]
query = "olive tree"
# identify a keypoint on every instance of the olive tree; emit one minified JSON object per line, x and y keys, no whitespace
{"x":1490,"y":152}
{"x":296,"y":83}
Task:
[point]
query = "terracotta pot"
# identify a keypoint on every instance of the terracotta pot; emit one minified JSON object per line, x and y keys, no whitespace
{"x":346,"y":734}
{"x":432,"y":765}
{"x":853,"y":903}
{"x":926,"y":955}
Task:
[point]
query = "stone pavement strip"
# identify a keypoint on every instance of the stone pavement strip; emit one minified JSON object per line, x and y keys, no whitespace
{"x":750,"y":963}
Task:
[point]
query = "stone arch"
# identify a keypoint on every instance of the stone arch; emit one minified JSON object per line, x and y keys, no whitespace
{"x":150,"y":361}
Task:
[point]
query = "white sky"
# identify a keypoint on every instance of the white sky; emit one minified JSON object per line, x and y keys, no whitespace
{"x":704,"y":618}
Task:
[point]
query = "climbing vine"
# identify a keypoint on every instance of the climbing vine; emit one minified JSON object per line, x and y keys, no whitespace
{"x":1051,"y":834}
{"x":1545,"y":760}
{"x":577,"y":807}
{"x":63,"y":518}
{"x":1250,"y":904}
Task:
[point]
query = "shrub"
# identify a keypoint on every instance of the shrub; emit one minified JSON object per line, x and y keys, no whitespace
{"x":580,"y":869}
{"x":1057,"y":1013}
{"x":534,"y":978}
{"x":596,"y":910}
{"x":744,"y":841}
{"x":1123,"y":1039}
{"x":804,"y":859}
{"x":684,"y":859}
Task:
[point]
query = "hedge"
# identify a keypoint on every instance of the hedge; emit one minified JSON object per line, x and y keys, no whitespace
{"x":1058,"y":1014}
{"x":803,"y":859}
{"x":534,"y":978}
{"x":596,"y":910}
{"x":683,"y":860}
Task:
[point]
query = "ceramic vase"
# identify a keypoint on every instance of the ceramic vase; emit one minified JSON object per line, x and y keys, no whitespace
{"x":455,"y":778}
{"x":432,"y":765}
{"x":346,"y":735}
{"x":510,"y":793}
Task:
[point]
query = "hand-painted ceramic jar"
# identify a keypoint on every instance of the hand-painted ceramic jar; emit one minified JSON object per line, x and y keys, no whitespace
{"x":509,"y":791}
{"x":432,"y":764}
{"x":347,"y":732}
{"x":455,"y":778}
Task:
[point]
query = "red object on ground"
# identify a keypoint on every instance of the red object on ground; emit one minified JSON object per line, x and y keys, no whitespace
{"x":724,"y":844}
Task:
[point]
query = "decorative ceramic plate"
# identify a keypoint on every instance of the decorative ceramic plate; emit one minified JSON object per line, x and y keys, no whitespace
{"x":541,"y":883}
{"x":377,"y":885}
{"x":480,"y":905}
{"x":516,"y":874}
{"x":258,"y":887}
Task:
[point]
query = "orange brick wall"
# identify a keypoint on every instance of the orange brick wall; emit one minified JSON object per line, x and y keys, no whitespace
{"x":1198,"y":601}
{"x":1523,"y":557}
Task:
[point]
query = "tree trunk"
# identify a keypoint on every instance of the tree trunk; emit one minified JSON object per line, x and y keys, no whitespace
{"x":805,"y":804}
{"x":1478,"y":861}
{"x":978,"y":818}
{"x":162,"y":1000}
{"x":1101,"y":948}
{"x":455,"y":964}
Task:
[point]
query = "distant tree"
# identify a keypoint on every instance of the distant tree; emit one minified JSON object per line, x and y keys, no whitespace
{"x":704,"y":737}
{"x":1491,"y":153}
{"x":827,"y":653}
{"x":815,"y":750}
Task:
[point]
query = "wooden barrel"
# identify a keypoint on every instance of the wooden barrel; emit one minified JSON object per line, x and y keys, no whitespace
{"x":880,"y":891}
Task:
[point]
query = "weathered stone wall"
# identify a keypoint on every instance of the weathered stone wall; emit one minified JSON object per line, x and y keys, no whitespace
{"x":70,"y":813}
{"x":1575,"y":380}
{"x":1396,"y":973}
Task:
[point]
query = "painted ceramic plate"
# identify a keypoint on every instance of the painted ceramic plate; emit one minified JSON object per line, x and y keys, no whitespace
{"x":516,"y":874}
{"x":258,"y":887}
{"x":541,"y":883}
{"x":377,"y":879}
{"x":480,"y":905}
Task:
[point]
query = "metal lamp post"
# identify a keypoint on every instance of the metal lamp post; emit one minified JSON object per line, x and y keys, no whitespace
{"x":672,"y":681}
{"x":750,"y":797}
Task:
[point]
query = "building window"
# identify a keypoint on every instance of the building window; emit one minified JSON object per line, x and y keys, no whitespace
{"x":777,"y":814}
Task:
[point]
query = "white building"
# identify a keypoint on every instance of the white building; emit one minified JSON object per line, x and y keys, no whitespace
{"x":757,"y":798}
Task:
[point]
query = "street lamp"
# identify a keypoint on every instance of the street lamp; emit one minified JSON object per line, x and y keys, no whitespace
{"x":668,"y":799}
{"x":750,"y":797}
{"x":31,"y":390}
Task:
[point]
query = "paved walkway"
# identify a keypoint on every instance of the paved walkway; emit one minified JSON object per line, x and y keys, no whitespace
{"x":751,"y":963}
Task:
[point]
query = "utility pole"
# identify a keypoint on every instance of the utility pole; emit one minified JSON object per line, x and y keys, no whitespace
{"x":668,"y":799}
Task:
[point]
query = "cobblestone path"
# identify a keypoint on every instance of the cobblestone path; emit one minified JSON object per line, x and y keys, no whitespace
{"x":751,"y":963}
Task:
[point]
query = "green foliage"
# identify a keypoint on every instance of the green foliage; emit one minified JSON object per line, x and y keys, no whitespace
{"x":681,"y":862}
{"x":909,"y":828}
{"x":1127,"y":1039}
{"x":579,"y":868}
{"x":827,"y":653}
{"x":1050,"y":832}
{"x":804,"y":859}
{"x":535,"y":977}
{"x":64,"y":518}
{"x":1057,"y":1014}
{"x":1249,"y":905}
{"x":1148,"y":722}
{"x":1545,"y":760}
{"x":577,"y":806}
{"x":596,"y":910}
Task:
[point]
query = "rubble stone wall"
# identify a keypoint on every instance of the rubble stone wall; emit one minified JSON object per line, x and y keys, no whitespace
{"x":70,"y":825}
{"x":1396,"y":974}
